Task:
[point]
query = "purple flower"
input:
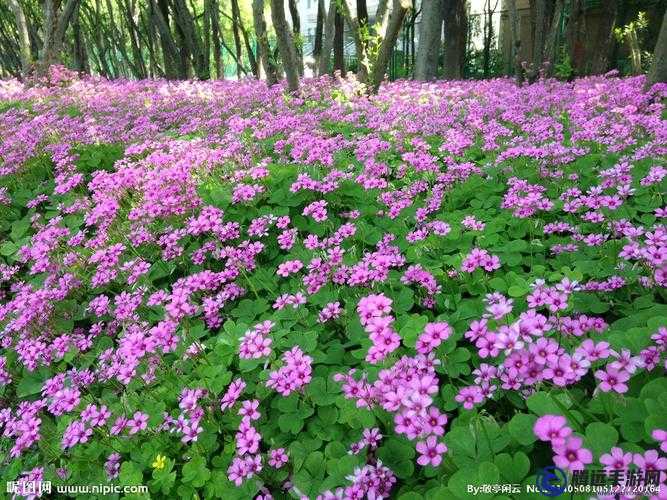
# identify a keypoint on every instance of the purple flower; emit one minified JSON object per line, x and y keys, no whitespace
{"x":430,"y":451}
{"x":616,"y":459}
{"x":552,"y":428}
{"x":571,"y":455}
{"x":137,"y":423}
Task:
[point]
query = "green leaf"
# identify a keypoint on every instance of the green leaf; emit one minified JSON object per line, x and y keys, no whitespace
{"x":412,"y":329}
{"x":195,"y":472}
{"x":542,"y":403}
{"x":517,"y":291}
{"x":600,"y":437}
{"x":8,"y":248}
{"x":521,"y":428}
{"x":32,"y":382}
{"x":513,"y":468}
{"x":130,"y":474}
{"x":397,"y":454}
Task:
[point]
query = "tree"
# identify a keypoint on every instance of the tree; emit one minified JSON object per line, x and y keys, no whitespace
{"x":160,"y":17}
{"x":514,"y":64}
{"x":319,"y":35}
{"x":339,"y":42}
{"x":236,"y":20}
{"x":456,"y":29}
{"x":551,"y":43}
{"x":360,"y":38}
{"x":589,"y":36}
{"x":430,"y":30}
{"x":539,"y":14}
{"x":374,"y":46}
{"x":263,"y":49}
{"x":327,"y":39}
{"x":296,"y":30}
{"x":56,"y":21}
{"x":24,"y":37}
{"x":658,"y":72}
{"x":388,"y":40}
{"x":488,"y":35}
{"x":285,"y":44}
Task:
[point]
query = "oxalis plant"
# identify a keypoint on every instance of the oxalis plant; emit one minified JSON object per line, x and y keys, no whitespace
{"x":214,"y":292}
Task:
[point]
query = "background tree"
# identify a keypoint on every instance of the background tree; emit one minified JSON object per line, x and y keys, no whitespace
{"x":327,"y":39}
{"x":56,"y":20}
{"x":263,"y":48}
{"x":430,"y":31}
{"x":285,"y":44}
{"x":658,"y":72}
{"x":456,"y":28}
{"x":387,"y":37}
{"x":23,"y":35}
{"x":339,"y":42}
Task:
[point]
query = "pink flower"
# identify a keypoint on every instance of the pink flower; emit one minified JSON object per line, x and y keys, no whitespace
{"x":552,"y":428}
{"x":649,"y":461}
{"x":137,"y":423}
{"x":612,"y":380}
{"x":571,"y":455}
{"x":469,"y":396}
{"x":277,"y":458}
{"x":616,"y":459}
{"x":660,"y":435}
{"x":430,"y":451}
{"x":249,"y":409}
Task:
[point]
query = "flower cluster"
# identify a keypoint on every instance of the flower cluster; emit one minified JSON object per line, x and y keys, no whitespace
{"x":480,"y":258}
{"x":568,"y":451}
{"x":375,"y":316}
{"x":295,"y":373}
{"x":256,"y":343}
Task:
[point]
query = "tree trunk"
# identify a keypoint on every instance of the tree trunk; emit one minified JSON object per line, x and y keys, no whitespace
{"x":362,"y":12}
{"x":206,"y":32}
{"x":363,"y":62}
{"x":117,"y":42}
{"x":400,"y":8}
{"x":285,"y":44}
{"x":24,"y":37}
{"x":192,"y":43}
{"x":488,"y":36}
{"x":296,"y":31}
{"x":658,"y":72}
{"x":426,"y":66}
{"x":263,"y":49}
{"x":160,"y":18}
{"x":148,"y":36}
{"x":216,"y":35}
{"x":635,"y":52}
{"x":80,"y":55}
{"x":339,"y":47}
{"x":456,"y":28}
{"x":601,"y":48}
{"x":319,"y":35}
{"x":539,"y":34}
{"x":55,"y":26}
{"x":514,"y":66}
{"x":327,"y":40}
{"x":135,"y":38}
{"x":413,"y":51}
{"x":236,"y":19}
{"x":552,"y":42}
{"x":254,"y":67}
{"x":589,"y":36}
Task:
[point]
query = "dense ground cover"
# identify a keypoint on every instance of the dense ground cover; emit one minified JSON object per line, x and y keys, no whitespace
{"x":216,"y":288}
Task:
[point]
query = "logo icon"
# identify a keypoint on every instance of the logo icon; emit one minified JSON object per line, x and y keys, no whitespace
{"x":551,"y":481}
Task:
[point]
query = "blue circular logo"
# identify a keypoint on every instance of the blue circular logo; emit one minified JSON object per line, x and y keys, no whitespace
{"x":551,"y":481}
